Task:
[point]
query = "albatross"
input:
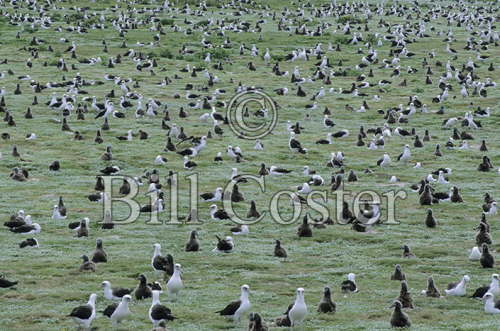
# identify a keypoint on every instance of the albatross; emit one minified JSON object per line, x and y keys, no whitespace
{"x":235,"y":309}
{"x":225,"y":245}
{"x":298,"y":312}
{"x":117,"y":312}
{"x":162,"y":263}
{"x":326,"y":305}
{"x":174,"y":284}
{"x":115,"y":293}
{"x":85,"y":314}
{"x":27,"y":229}
{"x":459,"y":288}
{"x":490,"y":305}
{"x":158,"y":312}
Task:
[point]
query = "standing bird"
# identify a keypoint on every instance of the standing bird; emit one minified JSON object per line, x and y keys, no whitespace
{"x":295,"y":145}
{"x":174,"y":284}
{"x":85,"y":314}
{"x":237,"y":308}
{"x":117,"y":312}
{"x":143,"y":290}
{"x":298,"y":312}
{"x":385,"y":161}
{"x":158,"y":312}
{"x":406,"y":155}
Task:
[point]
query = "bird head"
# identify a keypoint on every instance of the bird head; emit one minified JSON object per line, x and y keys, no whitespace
{"x":487,"y":296}
{"x":396,"y":304}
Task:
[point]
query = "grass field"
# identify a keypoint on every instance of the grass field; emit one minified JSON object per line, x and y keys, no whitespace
{"x":50,"y":284}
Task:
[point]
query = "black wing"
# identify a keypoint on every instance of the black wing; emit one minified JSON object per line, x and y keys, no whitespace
{"x":14,"y":224}
{"x":110,"y":309}
{"x":441,"y":195}
{"x":289,"y":308}
{"x":160,"y":312}
{"x":207,"y":196}
{"x":101,"y":114}
{"x":223,"y":245}
{"x":230,"y":308}
{"x":73,"y":225}
{"x":160,"y":263}
{"x":221,"y":214}
{"x":82,"y":312}
{"x":348,"y":285}
{"x":119,"y":292}
{"x":295,"y":144}
{"x":4,"y":283}
{"x":23,"y":229}
{"x":497,"y":304}
{"x":480,"y":292}
{"x":155,"y":286}
{"x":99,"y":257}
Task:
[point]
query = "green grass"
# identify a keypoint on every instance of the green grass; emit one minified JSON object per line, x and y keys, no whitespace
{"x":50,"y":284}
